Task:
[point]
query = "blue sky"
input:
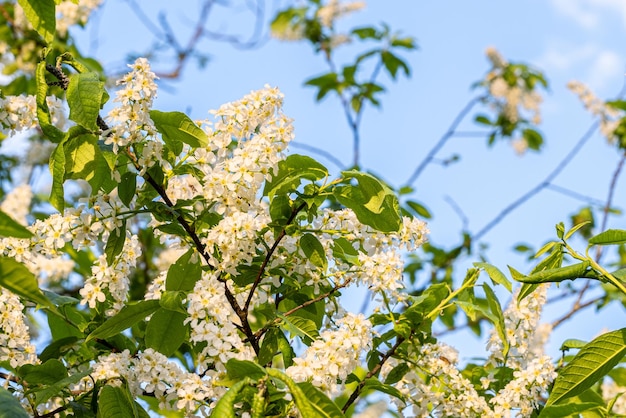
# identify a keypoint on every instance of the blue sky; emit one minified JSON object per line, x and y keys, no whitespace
{"x":567,"y":39}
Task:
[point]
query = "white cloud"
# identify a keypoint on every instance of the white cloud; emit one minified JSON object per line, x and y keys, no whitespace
{"x":560,"y":56}
{"x":592,"y":64}
{"x":605,"y":69}
{"x":577,"y":10}
{"x":589,"y":13}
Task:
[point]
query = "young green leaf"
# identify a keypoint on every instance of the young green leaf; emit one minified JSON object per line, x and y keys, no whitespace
{"x":225,"y":406}
{"x":41,"y":14}
{"x":116,"y":402}
{"x":178,"y":128}
{"x":314,"y":251}
{"x":373,"y":203}
{"x":43,"y":112}
{"x":115,"y":244}
{"x":183,"y":274}
{"x":11,"y":407}
{"x":124,"y":319}
{"x":609,"y":237}
{"x":57,"y":169}
{"x":495,"y":274}
{"x":127,"y":187}
{"x":166,"y":331}
{"x":239,"y":369}
{"x":496,"y":310}
{"x":18,"y":279}
{"x":291,"y":171}
{"x":84,"y":96}
{"x":47,"y":373}
{"x":594,"y":361}
{"x":10,"y":228}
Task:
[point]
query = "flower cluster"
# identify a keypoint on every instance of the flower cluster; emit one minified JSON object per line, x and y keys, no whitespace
{"x":151,"y":372}
{"x":70,"y":13}
{"x":131,"y":118}
{"x":234,"y":170}
{"x":214,"y":324}
{"x":19,"y":113}
{"x":334,"y":355}
{"x":333,"y":10}
{"x":380,"y":255}
{"x":512,"y":94}
{"x":436,"y":387}
{"x":15,"y":345}
{"x":610,"y":117}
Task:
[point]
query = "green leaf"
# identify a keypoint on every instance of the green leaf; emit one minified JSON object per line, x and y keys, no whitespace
{"x":57,"y":169}
{"x":183,"y":274}
{"x":609,"y":237}
{"x":495,"y":274}
{"x":302,"y":327}
{"x":313,"y":250}
{"x":11,"y":407}
{"x":238,"y":369}
{"x":496,"y":310}
{"x":325,"y":83}
{"x":373,"y":203}
{"x":225,"y":407}
{"x":309,"y":400}
{"x":166,"y":331}
{"x":320,"y":403}
{"x":396,"y":374}
{"x":177,"y":128}
{"x":375,"y":384}
{"x":43,"y":112}
{"x":10,"y":228}
{"x":18,"y":279}
{"x":557,"y":274}
{"x":533,"y":138}
{"x":40,"y":14}
{"x":172,"y":300}
{"x":393,"y":63}
{"x":343,"y":250}
{"x":419,"y":209}
{"x":592,"y":362}
{"x":127,"y":187}
{"x":84,"y":96}
{"x":47,"y":373}
{"x":117,"y":402}
{"x":115,"y":243}
{"x":572,"y":343}
{"x":291,"y":171}
{"x":569,"y":410}
{"x":269,"y":346}
{"x":124,"y":319}
{"x":52,"y":390}
{"x":84,"y":160}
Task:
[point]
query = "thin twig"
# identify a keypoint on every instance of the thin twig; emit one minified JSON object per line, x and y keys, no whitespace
{"x":539,"y":187}
{"x":575,"y":309}
{"x":325,"y":154}
{"x":355,"y":395}
{"x":442,"y":141}
{"x":609,"y":201}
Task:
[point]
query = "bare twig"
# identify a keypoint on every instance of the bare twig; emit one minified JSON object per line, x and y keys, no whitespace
{"x":609,"y":201}
{"x":578,"y":306}
{"x":442,"y":141}
{"x":355,"y":394}
{"x":185,"y":50}
{"x":539,"y":187}
{"x":325,"y":154}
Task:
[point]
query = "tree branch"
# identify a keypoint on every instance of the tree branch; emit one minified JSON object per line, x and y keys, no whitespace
{"x":442,"y":141}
